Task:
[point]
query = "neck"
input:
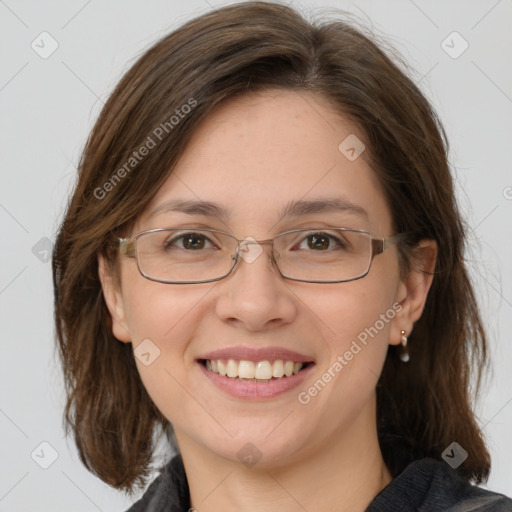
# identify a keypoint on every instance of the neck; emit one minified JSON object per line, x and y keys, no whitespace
{"x":342,"y":473}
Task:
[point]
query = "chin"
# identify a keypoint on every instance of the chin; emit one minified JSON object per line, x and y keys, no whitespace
{"x":255,"y":446}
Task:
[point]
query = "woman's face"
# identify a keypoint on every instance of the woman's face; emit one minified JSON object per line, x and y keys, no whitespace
{"x":253,"y":156}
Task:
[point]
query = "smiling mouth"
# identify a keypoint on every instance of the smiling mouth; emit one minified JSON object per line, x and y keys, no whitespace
{"x":251,"y":371}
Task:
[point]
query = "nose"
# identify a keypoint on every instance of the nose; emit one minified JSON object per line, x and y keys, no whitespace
{"x":255,"y":295}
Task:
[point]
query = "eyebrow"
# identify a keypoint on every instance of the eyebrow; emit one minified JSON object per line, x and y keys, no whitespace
{"x":291,"y":209}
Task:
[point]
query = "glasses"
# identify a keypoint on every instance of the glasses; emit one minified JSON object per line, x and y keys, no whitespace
{"x":187,"y":256}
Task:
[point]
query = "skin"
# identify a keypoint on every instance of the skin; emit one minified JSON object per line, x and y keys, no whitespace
{"x":252,"y":155}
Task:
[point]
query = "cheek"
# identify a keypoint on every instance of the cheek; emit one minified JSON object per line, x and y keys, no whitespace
{"x":161,"y":329}
{"x":355,"y":322}
{"x":155,"y":310}
{"x":162,"y":320}
{"x":360,"y":310}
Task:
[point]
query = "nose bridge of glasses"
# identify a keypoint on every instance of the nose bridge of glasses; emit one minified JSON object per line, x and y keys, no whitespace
{"x":243,"y":247}
{"x":252,"y":241}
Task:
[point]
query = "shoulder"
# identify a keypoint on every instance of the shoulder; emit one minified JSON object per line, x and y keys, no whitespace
{"x":168,"y":492}
{"x":430,"y":485}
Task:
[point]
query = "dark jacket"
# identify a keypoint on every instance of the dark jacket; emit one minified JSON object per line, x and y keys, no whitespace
{"x":425,"y":485}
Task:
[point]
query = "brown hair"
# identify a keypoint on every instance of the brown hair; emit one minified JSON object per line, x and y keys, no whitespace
{"x":249,"y":47}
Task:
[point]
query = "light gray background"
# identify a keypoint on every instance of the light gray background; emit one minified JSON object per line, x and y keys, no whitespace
{"x":48,"y":107}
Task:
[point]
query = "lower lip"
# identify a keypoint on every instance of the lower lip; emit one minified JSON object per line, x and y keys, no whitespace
{"x":256,"y":390}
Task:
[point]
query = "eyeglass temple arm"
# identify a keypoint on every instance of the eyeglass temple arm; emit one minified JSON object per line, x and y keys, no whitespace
{"x":126,"y":246}
{"x":379,"y":245}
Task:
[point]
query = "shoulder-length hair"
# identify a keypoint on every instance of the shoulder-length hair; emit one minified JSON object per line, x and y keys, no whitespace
{"x":158,"y":104}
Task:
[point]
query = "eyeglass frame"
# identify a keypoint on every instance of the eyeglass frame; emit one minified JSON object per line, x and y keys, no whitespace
{"x":127,"y":246}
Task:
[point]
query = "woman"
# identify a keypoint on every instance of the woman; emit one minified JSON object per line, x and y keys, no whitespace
{"x":262,"y":259}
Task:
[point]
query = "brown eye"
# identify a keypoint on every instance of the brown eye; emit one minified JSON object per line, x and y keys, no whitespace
{"x":318,"y":241}
{"x":189,"y":241}
{"x":321,"y":242}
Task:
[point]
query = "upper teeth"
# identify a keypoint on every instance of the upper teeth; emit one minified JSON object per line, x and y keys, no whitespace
{"x":243,"y":369}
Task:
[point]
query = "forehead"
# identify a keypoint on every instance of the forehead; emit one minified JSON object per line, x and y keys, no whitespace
{"x":258,"y":152}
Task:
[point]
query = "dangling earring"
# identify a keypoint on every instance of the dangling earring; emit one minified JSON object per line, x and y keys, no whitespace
{"x":404,"y":355}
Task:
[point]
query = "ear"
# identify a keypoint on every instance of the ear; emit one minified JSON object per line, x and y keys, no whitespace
{"x":114,"y":300}
{"x":413,"y":290}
